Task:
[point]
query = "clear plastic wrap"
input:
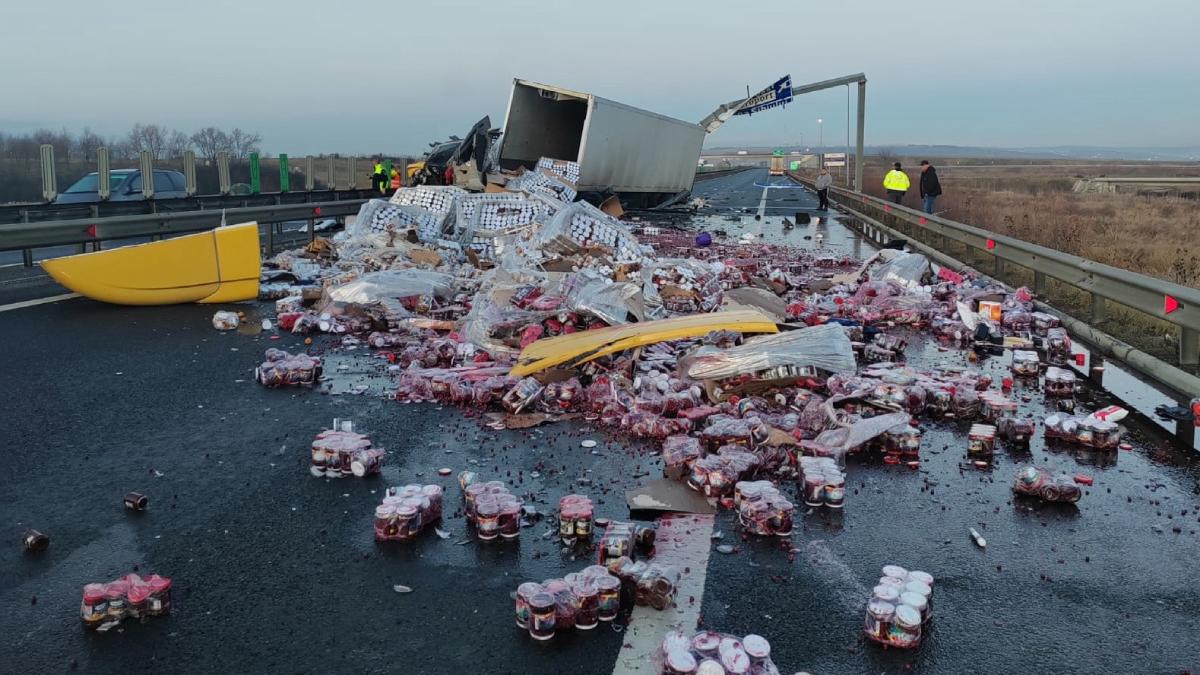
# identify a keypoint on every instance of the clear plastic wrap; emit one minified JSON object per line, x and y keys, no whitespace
{"x":909,"y":270}
{"x":381,"y":217}
{"x":581,"y":227}
{"x":825,"y":347}
{"x":611,"y":301}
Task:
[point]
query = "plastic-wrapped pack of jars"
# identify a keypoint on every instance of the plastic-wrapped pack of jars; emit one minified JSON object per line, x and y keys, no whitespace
{"x":1059,"y":382}
{"x":902,"y":440}
{"x":824,"y":483}
{"x":680,"y":451}
{"x":654,"y":583}
{"x":1017,"y":431}
{"x":995,"y":406}
{"x":712,"y":653}
{"x":715,"y":475}
{"x":899,"y":606}
{"x":406,"y":510}
{"x":1058,"y":346}
{"x":981,"y":440}
{"x":281,"y":369}
{"x":490,"y":507}
{"x":624,"y":540}
{"x":337,"y":453}
{"x":1094,"y":433}
{"x":523,"y":394}
{"x":1037,"y":482}
{"x":874,"y":353}
{"x":580,"y":600}
{"x":1043,"y":322}
{"x":1026,"y":363}
{"x":575,"y":519}
{"x":129,"y":597}
{"x":762,"y":508}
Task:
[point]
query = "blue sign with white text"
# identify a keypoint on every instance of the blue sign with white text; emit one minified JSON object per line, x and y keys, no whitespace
{"x":774,"y":96}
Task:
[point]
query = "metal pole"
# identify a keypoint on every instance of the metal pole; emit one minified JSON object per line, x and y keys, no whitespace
{"x":858,"y":150}
{"x":103,"y":189}
{"x":846,"y":169}
{"x":189,"y":172}
{"x":146,"y":162}
{"x":49,"y":176}
{"x":310,"y":180}
{"x":223,"y":172}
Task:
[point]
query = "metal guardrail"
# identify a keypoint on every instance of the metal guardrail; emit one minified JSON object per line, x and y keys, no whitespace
{"x":1105,"y":283}
{"x":29,"y":236}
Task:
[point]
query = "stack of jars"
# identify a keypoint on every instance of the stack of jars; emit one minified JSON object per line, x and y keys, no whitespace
{"x":654,"y":584}
{"x":1094,"y":433}
{"x":715,"y":475}
{"x":711,"y":653}
{"x":996,"y":406}
{"x":1034,"y":482}
{"x":1025,"y":364}
{"x":406,"y":510}
{"x":981,"y":440}
{"x":575,"y":519}
{"x":1060,"y":382}
{"x":900,"y":605}
{"x":1058,"y":346}
{"x":762,"y":509}
{"x":901,"y":442}
{"x":824,"y":482}
{"x":127,"y":597}
{"x":576,"y":601}
{"x":490,"y":507}
{"x":337,"y":453}
{"x":624,"y":540}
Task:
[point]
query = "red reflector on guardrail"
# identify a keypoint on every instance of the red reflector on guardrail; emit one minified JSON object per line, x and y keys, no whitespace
{"x":90,"y":230}
{"x":316,"y":210}
{"x":1170,"y":304}
{"x":921,"y":220}
{"x":887,"y":208}
{"x":991,"y":244}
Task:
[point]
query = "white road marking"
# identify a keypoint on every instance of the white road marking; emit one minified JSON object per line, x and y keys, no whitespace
{"x":684,"y":541}
{"x":762,"y":204}
{"x":39,"y":301}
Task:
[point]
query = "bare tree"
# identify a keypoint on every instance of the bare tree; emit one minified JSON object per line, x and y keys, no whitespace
{"x":87,"y":144}
{"x":177,"y":143}
{"x":149,"y":137}
{"x":243,"y":143}
{"x":211,"y":140}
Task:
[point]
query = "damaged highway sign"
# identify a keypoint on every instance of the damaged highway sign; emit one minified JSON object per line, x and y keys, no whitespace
{"x":778,"y":94}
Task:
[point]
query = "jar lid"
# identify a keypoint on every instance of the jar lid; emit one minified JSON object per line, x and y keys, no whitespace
{"x":880,"y":609}
{"x":542,"y":600}
{"x":710,"y":667}
{"x":139,"y":594}
{"x":919,"y":588}
{"x":894,"y":571}
{"x":914,"y":600}
{"x":384,"y":510}
{"x":681,"y":661}
{"x":908,"y":616}
{"x":891,"y":581}
{"x":923,"y":577}
{"x":757,"y":646}
{"x":529,"y":589}
{"x":886,"y":593}
{"x":706,"y":641}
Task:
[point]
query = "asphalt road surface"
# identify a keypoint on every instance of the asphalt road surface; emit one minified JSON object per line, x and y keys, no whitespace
{"x":277,"y":571}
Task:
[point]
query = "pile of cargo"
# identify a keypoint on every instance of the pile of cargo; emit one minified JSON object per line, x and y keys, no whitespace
{"x":713,"y":653}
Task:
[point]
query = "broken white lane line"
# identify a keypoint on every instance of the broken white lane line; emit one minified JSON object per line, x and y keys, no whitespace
{"x":38,"y":301}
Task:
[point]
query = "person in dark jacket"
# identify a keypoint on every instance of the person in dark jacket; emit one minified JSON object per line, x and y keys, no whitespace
{"x":931,"y":188}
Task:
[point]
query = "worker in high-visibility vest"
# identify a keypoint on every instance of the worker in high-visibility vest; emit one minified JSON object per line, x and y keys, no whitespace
{"x":395,"y":178}
{"x":896,"y":183}
{"x":378,"y":178}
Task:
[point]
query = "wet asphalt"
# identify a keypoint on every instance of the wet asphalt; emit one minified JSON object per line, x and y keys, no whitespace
{"x":277,"y":571}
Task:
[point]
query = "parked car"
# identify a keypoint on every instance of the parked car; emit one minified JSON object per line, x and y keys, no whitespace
{"x":124,"y":185}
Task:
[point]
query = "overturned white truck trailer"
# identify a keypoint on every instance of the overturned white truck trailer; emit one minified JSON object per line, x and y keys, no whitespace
{"x":643,"y":156}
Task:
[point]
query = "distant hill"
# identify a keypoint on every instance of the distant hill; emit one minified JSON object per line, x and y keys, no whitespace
{"x":1090,"y":152}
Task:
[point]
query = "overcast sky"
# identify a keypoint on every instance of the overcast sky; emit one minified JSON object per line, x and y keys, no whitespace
{"x":329,"y":76}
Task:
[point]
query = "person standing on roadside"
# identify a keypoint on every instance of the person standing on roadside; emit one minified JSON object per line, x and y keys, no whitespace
{"x":931,"y":188}
{"x":378,"y":179}
{"x":896,"y":183}
{"x":395,"y":183}
{"x":824,"y":180}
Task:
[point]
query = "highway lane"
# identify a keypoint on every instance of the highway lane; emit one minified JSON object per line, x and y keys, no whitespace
{"x":278,"y":569}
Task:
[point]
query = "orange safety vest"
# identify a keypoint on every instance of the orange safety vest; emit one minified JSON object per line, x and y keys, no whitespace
{"x":395,"y":180}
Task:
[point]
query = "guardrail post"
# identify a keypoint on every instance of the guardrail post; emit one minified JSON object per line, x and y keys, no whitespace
{"x":310,"y":180}
{"x":998,"y":266}
{"x":1099,"y":308}
{"x":103,"y":167}
{"x":1039,"y":283}
{"x":189,"y":172}
{"x":223,"y":173}
{"x":146,"y":163}
{"x":49,"y":176}
{"x":255,"y":175}
{"x":1189,"y":347}
{"x":285,"y":178}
